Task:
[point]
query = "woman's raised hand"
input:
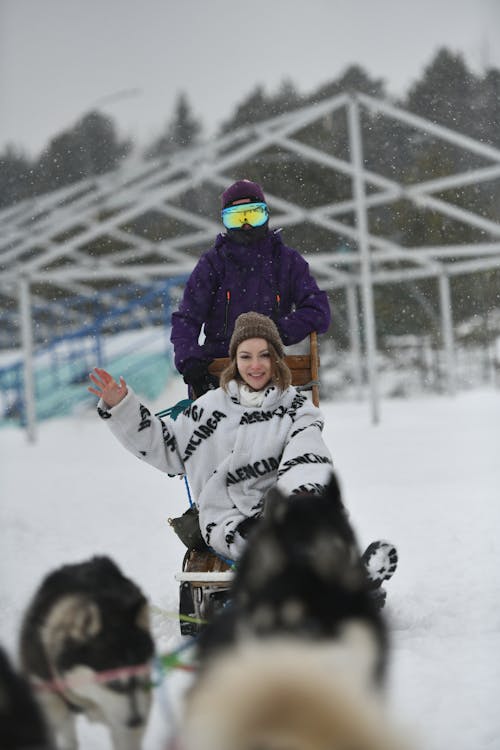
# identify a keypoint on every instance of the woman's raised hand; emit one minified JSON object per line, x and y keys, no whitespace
{"x":106,"y":387}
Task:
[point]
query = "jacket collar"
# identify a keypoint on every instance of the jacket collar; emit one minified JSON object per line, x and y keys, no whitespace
{"x":266,"y":245}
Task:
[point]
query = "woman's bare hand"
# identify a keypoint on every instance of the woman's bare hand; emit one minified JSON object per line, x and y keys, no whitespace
{"x":106,"y":387}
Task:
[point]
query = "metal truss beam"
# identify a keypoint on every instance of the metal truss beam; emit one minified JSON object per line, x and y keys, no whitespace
{"x":49,"y":239}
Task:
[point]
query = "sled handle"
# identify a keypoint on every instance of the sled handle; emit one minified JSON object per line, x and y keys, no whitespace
{"x":313,"y":342}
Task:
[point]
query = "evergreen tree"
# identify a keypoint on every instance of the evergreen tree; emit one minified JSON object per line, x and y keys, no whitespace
{"x":486,"y":108}
{"x":286,"y":98}
{"x":183,"y":130}
{"x":252,"y":109}
{"x":15,"y":176}
{"x":354,"y":78}
{"x":444,"y":93}
{"x":448,"y":94}
{"x":90,"y":148}
{"x":258,"y":106}
{"x":100,"y":139}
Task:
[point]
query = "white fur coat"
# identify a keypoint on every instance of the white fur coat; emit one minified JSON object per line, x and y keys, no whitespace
{"x":232,"y":454}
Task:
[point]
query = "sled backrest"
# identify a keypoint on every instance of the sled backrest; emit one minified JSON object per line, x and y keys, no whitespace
{"x":304,"y":368}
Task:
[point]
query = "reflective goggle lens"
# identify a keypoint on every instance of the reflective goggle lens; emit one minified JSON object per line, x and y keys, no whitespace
{"x":255,"y":214}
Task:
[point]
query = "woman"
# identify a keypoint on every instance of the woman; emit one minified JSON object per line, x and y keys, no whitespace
{"x":235,"y":442}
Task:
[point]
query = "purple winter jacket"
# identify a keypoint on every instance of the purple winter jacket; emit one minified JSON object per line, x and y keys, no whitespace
{"x":267,"y":277}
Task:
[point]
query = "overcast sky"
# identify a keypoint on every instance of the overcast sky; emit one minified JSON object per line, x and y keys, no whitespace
{"x":131,"y":58}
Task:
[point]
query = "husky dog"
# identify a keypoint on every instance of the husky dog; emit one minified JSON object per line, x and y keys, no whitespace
{"x":297,"y":660}
{"x":22,"y":724}
{"x":86,"y":647}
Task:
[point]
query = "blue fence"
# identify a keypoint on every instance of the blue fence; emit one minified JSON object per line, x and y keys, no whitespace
{"x":132,"y":338}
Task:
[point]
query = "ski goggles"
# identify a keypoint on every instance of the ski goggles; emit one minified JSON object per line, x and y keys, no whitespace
{"x":254,"y":214}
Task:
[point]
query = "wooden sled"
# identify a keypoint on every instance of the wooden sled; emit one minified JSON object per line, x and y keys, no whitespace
{"x":205,"y":579}
{"x":201,"y":568}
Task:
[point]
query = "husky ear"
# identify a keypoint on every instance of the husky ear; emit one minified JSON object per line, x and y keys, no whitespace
{"x":73,"y":618}
{"x":332,"y":490}
{"x":275,"y":505}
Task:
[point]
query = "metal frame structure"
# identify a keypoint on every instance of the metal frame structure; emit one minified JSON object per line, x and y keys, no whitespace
{"x":49,"y":240}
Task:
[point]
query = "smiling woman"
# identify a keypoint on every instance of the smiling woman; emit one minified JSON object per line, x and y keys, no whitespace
{"x":254,"y":363}
{"x":256,"y":355}
{"x":235,"y":442}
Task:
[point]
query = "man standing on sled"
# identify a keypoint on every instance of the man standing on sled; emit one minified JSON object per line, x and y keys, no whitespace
{"x":248,"y":268}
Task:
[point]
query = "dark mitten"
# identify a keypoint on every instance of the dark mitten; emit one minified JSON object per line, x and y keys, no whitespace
{"x":187,"y":528}
{"x":198,"y":377}
{"x":245,"y":527}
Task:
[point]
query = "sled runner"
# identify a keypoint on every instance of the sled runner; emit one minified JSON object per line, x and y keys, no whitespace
{"x":205,"y":578}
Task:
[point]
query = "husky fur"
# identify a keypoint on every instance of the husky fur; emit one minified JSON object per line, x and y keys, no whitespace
{"x":84,"y":619}
{"x":297,"y":660}
{"x":22,"y":725}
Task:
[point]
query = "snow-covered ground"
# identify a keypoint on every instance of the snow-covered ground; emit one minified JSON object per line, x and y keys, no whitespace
{"x":427,"y":478}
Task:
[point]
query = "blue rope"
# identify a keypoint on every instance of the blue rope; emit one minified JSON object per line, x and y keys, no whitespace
{"x":227,"y":560}
{"x":191,"y":502}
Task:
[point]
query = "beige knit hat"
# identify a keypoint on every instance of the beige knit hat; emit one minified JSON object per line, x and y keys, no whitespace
{"x":253,"y":325}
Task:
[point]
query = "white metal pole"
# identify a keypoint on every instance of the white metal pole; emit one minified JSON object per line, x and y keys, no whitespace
{"x":27,"y":347}
{"x":354,"y":337}
{"x":356,"y":149}
{"x":447,"y":331}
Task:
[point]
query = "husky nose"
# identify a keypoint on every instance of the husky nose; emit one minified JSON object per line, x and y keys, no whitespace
{"x":134,"y":721}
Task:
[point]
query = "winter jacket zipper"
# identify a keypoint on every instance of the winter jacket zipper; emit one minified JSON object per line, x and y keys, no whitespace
{"x":277,"y":305}
{"x":226,"y":312}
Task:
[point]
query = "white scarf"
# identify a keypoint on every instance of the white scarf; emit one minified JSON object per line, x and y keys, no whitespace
{"x":249,"y":397}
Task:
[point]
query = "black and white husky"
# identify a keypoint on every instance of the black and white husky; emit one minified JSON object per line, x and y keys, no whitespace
{"x":22,"y":724}
{"x":297,"y":660}
{"x":86,"y":647}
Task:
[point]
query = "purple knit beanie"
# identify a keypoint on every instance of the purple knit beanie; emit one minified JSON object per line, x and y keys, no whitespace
{"x":242,"y":189}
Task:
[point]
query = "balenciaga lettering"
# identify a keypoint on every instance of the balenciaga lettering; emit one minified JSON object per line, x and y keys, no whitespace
{"x":306,"y":458}
{"x":252,"y":471}
{"x":168,"y":439}
{"x":250,"y":417}
{"x":208,"y":531}
{"x":317,"y":423}
{"x":297,"y":402}
{"x":202,"y":433}
{"x":145,"y":418}
{"x":194,"y":411}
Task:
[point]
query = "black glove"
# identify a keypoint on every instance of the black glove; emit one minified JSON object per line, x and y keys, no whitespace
{"x":198,"y":377}
{"x":187,"y":528}
{"x":245,"y":527}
